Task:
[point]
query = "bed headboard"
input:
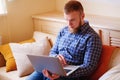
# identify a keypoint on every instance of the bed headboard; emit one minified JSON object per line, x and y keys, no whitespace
{"x":52,"y":22}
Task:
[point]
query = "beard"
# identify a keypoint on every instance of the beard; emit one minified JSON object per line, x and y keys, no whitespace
{"x":75,"y":30}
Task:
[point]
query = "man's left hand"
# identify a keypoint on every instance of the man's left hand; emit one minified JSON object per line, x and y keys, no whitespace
{"x":50,"y":75}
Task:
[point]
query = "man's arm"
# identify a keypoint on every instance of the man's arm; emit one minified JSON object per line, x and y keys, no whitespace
{"x":91,"y":58}
{"x":54,"y":51}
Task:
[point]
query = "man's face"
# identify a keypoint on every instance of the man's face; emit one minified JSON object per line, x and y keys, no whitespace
{"x":74,"y":20}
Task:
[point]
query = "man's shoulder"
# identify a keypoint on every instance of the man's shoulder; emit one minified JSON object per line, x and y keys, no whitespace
{"x":64,"y":29}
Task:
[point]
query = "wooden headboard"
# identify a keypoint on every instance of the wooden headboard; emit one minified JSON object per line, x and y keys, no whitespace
{"x":52,"y":22}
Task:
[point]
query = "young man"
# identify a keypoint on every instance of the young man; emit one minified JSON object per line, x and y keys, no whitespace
{"x":76,"y":44}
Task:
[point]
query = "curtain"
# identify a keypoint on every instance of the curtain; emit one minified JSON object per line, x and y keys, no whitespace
{"x":3,"y":9}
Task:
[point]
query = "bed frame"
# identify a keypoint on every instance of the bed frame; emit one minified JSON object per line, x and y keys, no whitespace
{"x":52,"y":22}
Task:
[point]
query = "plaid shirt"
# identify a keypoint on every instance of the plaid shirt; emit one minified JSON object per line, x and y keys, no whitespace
{"x":83,"y":49}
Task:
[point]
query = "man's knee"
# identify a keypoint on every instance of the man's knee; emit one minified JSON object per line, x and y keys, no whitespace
{"x":35,"y":76}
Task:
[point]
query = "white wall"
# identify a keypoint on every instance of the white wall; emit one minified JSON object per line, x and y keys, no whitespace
{"x":60,"y":4}
{"x":17,"y":25}
{"x":110,"y":8}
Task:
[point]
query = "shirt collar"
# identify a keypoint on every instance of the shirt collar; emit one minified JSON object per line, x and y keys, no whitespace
{"x":84,"y":27}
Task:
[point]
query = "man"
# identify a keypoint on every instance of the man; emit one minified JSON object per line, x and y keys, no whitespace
{"x":76,"y":44}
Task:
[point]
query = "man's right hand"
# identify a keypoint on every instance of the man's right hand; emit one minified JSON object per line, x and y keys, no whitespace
{"x":62,"y":59}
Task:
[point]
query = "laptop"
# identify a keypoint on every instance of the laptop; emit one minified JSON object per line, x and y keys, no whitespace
{"x":52,"y":64}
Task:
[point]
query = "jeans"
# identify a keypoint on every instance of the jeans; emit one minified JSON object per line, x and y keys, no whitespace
{"x":39,"y":76}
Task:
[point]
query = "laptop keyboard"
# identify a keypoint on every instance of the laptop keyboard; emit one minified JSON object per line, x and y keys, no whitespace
{"x":67,"y":70}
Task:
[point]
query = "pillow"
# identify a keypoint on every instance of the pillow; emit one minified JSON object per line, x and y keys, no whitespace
{"x":37,"y":35}
{"x":6,"y":52}
{"x":104,"y":62}
{"x":112,"y":74}
{"x":115,"y":58}
{"x":10,"y":62}
{"x":20,"y":51}
{"x":2,"y":60}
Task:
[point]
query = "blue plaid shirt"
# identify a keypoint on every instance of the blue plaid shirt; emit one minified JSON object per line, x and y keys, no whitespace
{"x":83,"y":49}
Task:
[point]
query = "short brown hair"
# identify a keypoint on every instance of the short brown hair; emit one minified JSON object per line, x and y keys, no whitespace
{"x":73,"y":5}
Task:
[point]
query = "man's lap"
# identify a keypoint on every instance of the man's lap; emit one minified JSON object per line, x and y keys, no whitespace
{"x":39,"y":76}
{"x":36,"y":76}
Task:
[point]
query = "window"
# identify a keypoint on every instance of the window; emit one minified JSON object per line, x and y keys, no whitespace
{"x":3,"y":9}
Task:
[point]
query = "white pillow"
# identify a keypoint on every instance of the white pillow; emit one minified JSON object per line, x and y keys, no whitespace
{"x":37,"y":36}
{"x":112,"y":74}
{"x":20,"y":51}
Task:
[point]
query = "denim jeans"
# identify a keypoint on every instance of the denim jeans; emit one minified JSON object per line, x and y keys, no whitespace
{"x":39,"y":76}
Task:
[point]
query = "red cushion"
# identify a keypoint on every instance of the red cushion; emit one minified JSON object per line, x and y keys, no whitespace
{"x":104,"y":62}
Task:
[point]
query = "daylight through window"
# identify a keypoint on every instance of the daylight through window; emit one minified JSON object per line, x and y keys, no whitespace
{"x":3,"y":9}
